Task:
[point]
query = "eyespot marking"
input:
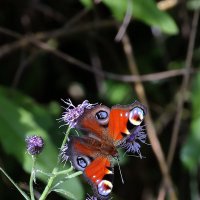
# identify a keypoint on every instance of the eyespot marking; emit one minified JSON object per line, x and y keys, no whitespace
{"x":105,"y":187}
{"x":136,"y":116}
{"x":102,"y":116}
{"x":81,"y":162}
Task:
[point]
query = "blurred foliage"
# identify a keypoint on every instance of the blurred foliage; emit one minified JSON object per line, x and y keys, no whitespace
{"x":20,"y":116}
{"x":190,"y":154}
{"x":34,"y":80}
{"x":146,"y":11}
{"x":193,"y":4}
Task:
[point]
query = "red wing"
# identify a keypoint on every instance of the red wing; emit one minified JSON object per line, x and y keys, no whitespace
{"x":97,"y":169}
{"x":117,"y":127}
{"x":124,"y":118}
{"x":99,"y":174}
{"x":90,"y":123}
{"x":114,"y":124}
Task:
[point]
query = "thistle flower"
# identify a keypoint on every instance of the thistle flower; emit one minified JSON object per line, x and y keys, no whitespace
{"x":91,"y":197}
{"x":132,"y":142}
{"x":72,"y":113}
{"x":34,"y":144}
{"x":63,"y":153}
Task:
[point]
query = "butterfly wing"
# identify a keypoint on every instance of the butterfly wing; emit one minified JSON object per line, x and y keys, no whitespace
{"x":95,"y":121}
{"x":124,"y":119}
{"x":85,"y":155}
{"x":112,"y":124}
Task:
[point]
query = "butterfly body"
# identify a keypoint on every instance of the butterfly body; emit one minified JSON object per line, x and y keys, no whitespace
{"x":104,"y":130}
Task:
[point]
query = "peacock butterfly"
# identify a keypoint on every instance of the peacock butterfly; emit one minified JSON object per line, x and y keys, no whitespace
{"x":105,"y":130}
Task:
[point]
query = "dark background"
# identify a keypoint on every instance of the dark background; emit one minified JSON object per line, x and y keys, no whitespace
{"x":52,"y":50}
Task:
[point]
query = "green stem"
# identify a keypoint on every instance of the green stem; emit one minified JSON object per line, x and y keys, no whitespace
{"x":10,"y":179}
{"x":63,"y":171}
{"x":51,"y":179}
{"x":68,"y":177}
{"x":32,"y":177}
{"x":65,"y":138}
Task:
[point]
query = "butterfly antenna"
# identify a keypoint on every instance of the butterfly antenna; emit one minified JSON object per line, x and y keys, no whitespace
{"x":120,"y":170}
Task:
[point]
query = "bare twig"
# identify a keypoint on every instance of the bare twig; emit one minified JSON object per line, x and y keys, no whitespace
{"x":150,"y":128}
{"x":27,"y":40}
{"x":166,"y":116}
{"x":125,"y":23}
{"x":96,"y":64}
{"x":49,"y":12}
{"x":64,"y":31}
{"x":181,"y":99}
{"x":22,"y":67}
{"x":183,"y":89}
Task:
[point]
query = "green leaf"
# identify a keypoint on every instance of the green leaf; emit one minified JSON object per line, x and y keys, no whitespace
{"x":65,"y":193}
{"x":16,"y":122}
{"x":190,"y":154}
{"x":147,"y":11}
{"x":21,"y":116}
{"x":72,"y":187}
{"x":144,"y":10}
{"x":87,"y":3}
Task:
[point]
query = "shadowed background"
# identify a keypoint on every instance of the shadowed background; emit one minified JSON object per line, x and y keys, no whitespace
{"x":110,"y":52}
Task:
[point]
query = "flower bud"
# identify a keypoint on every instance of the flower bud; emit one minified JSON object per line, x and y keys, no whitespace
{"x":34,"y":144}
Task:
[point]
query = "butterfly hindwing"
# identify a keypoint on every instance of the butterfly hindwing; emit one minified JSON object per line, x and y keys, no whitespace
{"x":97,"y":169}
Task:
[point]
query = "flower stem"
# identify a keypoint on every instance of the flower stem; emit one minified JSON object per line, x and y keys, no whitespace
{"x":65,"y":138}
{"x":32,"y":177}
{"x":54,"y":171}
{"x":10,"y":179}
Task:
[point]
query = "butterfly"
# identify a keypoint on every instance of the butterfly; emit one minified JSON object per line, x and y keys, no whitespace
{"x":105,"y":130}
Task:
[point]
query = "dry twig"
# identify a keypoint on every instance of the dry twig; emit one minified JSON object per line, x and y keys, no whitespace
{"x":181,"y":98}
{"x":139,"y":88}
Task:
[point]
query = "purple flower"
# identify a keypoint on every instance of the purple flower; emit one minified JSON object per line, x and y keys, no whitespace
{"x":72,"y":113}
{"x":132,"y":142}
{"x":34,"y":144}
{"x":91,"y":197}
{"x":63,"y":153}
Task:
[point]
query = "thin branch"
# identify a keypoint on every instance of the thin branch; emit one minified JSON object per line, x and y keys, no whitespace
{"x":166,"y":116}
{"x":139,"y":88}
{"x":62,"y":32}
{"x":181,"y":98}
{"x":49,"y":12}
{"x":183,"y":89}
{"x":24,"y":64}
{"x":27,"y":40}
{"x":125,"y":23}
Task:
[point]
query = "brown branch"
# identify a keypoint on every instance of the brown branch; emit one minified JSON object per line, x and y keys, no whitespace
{"x":139,"y":88}
{"x":24,"y":64}
{"x":62,"y":32}
{"x":183,"y":89}
{"x":48,"y":11}
{"x":32,"y":39}
{"x":181,"y":98}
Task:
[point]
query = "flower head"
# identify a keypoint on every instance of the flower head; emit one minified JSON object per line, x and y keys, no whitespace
{"x":91,"y":197}
{"x":72,"y":113}
{"x":34,"y":144}
{"x":63,"y":153}
{"x":132,"y":142}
